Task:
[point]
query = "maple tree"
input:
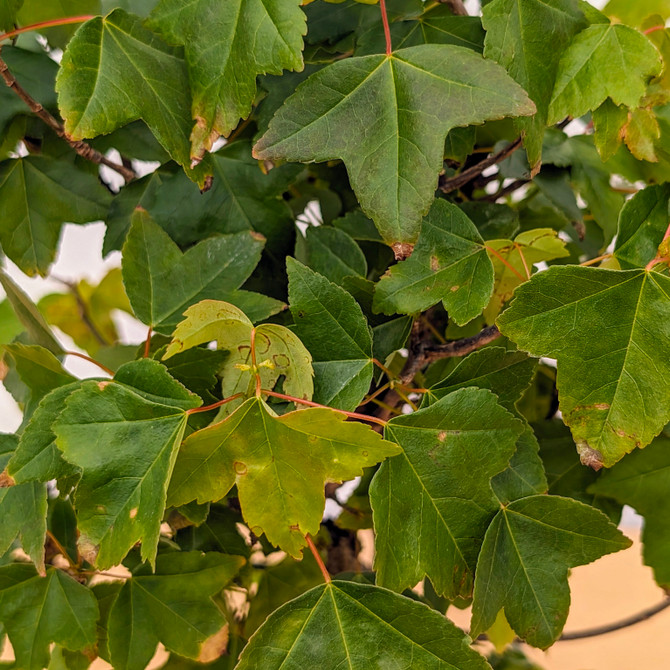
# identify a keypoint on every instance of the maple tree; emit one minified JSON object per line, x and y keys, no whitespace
{"x":430,"y":257}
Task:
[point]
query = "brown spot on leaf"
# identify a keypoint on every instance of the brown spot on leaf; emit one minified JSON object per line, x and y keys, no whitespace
{"x":262,"y":343}
{"x":101,"y":385}
{"x":294,"y":527}
{"x":207,"y":184}
{"x":590,"y":457}
{"x":214,"y":646}
{"x":442,"y":435}
{"x":133,"y":512}
{"x":453,"y":289}
{"x":257,"y":236}
{"x":402,"y":250}
{"x":5,"y":480}
{"x":87,"y":549}
{"x":240,"y":468}
{"x":434,"y":264}
{"x":281,"y":360}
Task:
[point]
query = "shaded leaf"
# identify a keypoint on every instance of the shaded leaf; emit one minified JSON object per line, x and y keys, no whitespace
{"x":121,"y":497}
{"x":608,"y":122}
{"x":524,"y":562}
{"x":283,"y":461}
{"x":36,"y":11}
{"x":37,"y":196}
{"x":415,"y":97}
{"x":227,"y":45}
{"x":37,"y":611}
{"x":448,"y":264}
{"x":613,"y":390}
{"x":432,"y":504}
{"x":160,"y":282}
{"x":172,"y":605}
{"x":332,"y":326}
{"x":333,"y":253}
{"x":360,"y":625}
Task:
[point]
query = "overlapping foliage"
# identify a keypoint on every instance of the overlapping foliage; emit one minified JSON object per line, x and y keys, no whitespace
{"x":357,"y":284}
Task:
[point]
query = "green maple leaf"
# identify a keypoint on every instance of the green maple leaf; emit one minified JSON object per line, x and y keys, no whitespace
{"x":334,"y":254}
{"x":279,"y":352}
{"x":524,"y":562}
{"x":37,"y":611}
{"x":448,"y":264}
{"x":642,"y":225}
{"x":611,"y":397}
{"x":527,"y":37}
{"x":161,"y":284}
{"x":432,"y":503}
{"x":358,"y":626}
{"x":136,"y":422}
{"x":282,"y":461}
{"x":115,"y":71}
{"x":387,"y":118}
{"x":37,"y":458}
{"x":37,"y":196}
{"x":227,"y":46}
{"x":591,"y":69}
{"x":641,"y":481}
{"x":331,"y":325}
{"x":172,"y":605}
{"x":23,"y":510}
{"x":528,"y":248}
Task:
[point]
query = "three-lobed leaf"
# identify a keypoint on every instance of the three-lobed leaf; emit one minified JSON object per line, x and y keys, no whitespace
{"x":172,"y":605}
{"x":342,"y":624}
{"x":280,"y":466}
{"x":605,"y":328}
{"x":387,"y":117}
{"x":524,"y":561}
{"x":115,"y":71}
{"x":37,"y":611}
{"x":433,"y":502}
{"x":227,"y":45}
{"x":448,"y":264}
{"x":136,"y":423}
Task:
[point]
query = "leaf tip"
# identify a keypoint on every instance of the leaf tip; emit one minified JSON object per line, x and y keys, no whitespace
{"x":589,"y":456}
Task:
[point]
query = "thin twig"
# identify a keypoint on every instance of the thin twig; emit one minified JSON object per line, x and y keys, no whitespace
{"x":456,"y":6}
{"x":208,"y":408}
{"x":618,"y":625}
{"x":593,"y":261}
{"x":82,"y":148}
{"x":459,"y":180}
{"x":61,"y":549}
{"x":506,"y":190}
{"x":147,"y":343}
{"x":506,"y":263}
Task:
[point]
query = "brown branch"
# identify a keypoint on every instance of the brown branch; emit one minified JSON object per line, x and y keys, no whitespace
{"x":456,"y":6}
{"x":423,"y":350}
{"x":461,"y":179}
{"x":623,"y":623}
{"x":82,"y":148}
